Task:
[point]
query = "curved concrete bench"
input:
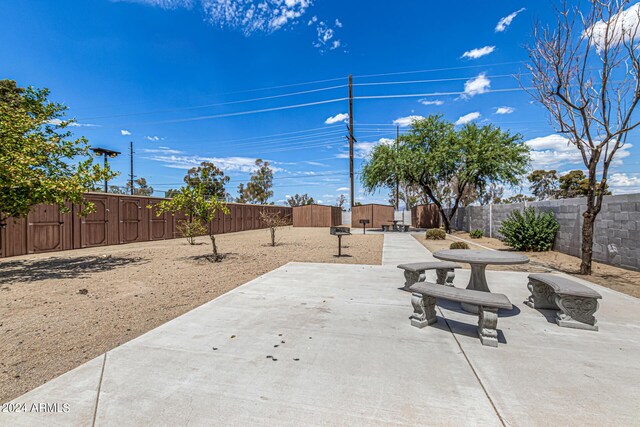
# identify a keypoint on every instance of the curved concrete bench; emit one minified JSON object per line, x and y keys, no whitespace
{"x":414,"y":272}
{"x":575,"y":302}
{"x":423,"y":299}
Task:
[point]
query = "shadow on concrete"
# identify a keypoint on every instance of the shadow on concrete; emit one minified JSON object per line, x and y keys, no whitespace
{"x":455,"y":306}
{"x":21,"y":271}
{"x":461,"y":328}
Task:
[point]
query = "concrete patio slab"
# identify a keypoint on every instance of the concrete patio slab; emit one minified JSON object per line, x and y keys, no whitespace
{"x":321,"y":344}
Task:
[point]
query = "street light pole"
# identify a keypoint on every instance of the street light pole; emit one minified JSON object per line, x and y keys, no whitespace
{"x":106,"y":153}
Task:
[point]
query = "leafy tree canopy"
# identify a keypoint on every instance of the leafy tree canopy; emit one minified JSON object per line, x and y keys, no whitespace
{"x":140,"y":188}
{"x":576,"y":184}
{"x":258,"y":189}
{"x":300,"y":200}
{"x":40,"y":161}
{"x":211,"y":177}
{"x":544,"y":184}
{"x":433,"y":154}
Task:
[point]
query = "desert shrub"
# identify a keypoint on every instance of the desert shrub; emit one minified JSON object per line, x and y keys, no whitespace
{"x":190,"y":230}
{"x":530,"y":230}
{"x":436,"y":234}
{"x":459,"y":245}
{"x":476,"y":234}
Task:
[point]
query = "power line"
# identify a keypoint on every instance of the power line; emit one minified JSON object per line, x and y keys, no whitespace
{"x":243,"y":101}
{"x":397,"y":73}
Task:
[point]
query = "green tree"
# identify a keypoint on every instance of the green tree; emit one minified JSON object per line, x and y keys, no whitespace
{"x":40,"y":161}
{"x":140,"y":188}
{"x":198,"y":206}
{"x":544,"y":184}
{"x":300,"y":200}
{"x":171,"y":193}
{"x":258,"y":189}
{"x":576,"y":184}
{"x":433,"y":154}
{"x":211,"y":177}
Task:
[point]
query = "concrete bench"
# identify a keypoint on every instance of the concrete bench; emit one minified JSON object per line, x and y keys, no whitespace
{"x":423,"y":299}
{"x":575,"y":302}
{"x":414,"y":272}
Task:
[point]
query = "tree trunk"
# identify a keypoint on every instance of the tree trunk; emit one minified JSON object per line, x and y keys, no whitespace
{"x":445,"y":220}
{"x":216,"y":257}
{"x":587,"y":242}
{"x":273,"y":236}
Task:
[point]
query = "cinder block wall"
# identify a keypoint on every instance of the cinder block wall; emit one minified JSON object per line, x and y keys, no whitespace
{"x":617,"y":228}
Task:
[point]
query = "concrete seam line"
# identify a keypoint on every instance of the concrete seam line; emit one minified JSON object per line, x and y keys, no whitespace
{"x":95,"y":409}
{"x":486,"y":393}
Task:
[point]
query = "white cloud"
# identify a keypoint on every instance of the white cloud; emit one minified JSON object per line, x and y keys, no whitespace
{"x":503,"y":23}
{"x":624,"y":183}
{"x":227,"y":164}
{"x":160,"y":150}
{"x":342,"y":189}
{"x":153,"y":138}
{"x":248,"y":16}
{"x":505,"y":110}
{"x":622,"y":25}
{"x":312,"y":21}
{"x":425,"y":101}
{"x":479,"y":52}
{"x":406,"y":121}
{"x":361,"y":150}
{"x":58,"y":122}
{"x":125,"y":132}
{"x":342,"y":117}
{"x":476,"y":86}
{"x":325,"y":36}
{"x":467,"y":118}
{"x":556,"y":152}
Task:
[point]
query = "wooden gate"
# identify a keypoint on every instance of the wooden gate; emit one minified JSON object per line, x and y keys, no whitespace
{"x":130,"y":220}
{"x":158,"y":225}
{"x":94,"y":228}
{"x":48,"y":229}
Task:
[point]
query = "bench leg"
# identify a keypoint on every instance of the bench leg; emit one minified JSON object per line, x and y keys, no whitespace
{"x":542,"y":295}
{"x":576,"y":312}
{"x":445,"y":276}
{"x":411,"y":277}
{"x":487,"y":324}
{"x":424,"y":310}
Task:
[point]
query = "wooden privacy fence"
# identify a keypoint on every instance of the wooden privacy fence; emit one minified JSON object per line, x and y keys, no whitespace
{"x":317,"y":216}
{"x":376,"y":214}
{"x":117,"y":219}
{"x":425,"y":216}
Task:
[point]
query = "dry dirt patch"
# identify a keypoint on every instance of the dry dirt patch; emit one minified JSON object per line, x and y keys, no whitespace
{"x":58,"y":311}
{"x":619,"y":279}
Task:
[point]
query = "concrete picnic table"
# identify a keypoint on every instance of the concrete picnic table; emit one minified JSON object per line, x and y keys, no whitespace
{"x":479,"y":259}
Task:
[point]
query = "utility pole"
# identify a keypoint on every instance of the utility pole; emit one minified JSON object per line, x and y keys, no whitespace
{"x":397,"y":179}
{"x":131,"y":166}
{"x":351,"y":136}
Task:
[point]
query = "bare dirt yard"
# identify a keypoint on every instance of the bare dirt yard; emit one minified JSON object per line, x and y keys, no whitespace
{"x":59,"y":310}
{"x":619,"y":279}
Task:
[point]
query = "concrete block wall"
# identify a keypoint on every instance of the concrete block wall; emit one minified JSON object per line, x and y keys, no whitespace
{"x":616,"y":234}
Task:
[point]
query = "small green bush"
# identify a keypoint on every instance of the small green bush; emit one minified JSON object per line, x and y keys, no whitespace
{"x":530,"y":231}
{"x":436,"y":234}
{"x":459,"y":245}
{"x":476,"y":234}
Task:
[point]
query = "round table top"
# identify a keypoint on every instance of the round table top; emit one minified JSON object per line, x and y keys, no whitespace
{"x":481,"y":257}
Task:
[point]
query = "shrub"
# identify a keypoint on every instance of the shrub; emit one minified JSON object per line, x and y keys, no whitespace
{"x":459,"y":245}
{"x":436,"y":234}
{"x":476,"y":234}
{"x":530,"y":231}
{"x":190,"y":230}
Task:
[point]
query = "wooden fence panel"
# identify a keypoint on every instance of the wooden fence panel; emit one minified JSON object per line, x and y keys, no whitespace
{"x":425,"y":216}
{"x":48,"y":229}
{"x":119,"y":219}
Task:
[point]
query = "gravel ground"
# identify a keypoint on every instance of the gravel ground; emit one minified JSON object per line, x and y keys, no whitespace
{"x":58,"y":311}
{"x":619,"y":279}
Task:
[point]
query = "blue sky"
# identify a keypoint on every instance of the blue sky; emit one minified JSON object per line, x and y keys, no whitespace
{"x":190,"y":80}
